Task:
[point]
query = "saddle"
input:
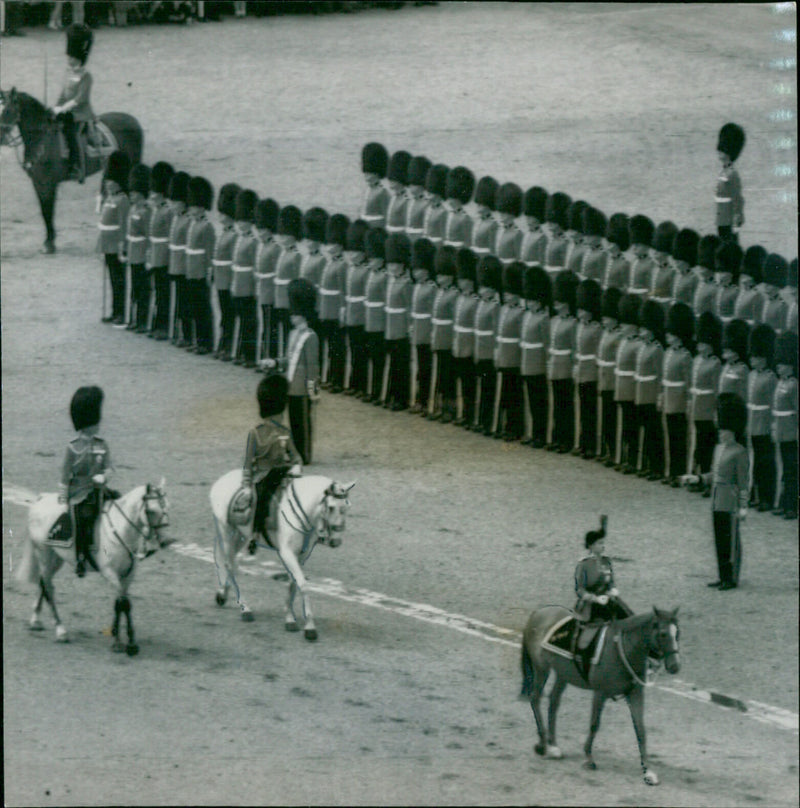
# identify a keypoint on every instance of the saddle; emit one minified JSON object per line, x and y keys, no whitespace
{"x":581,"y":642}
{"x":95,"y":141}
{"x":62,"y":533}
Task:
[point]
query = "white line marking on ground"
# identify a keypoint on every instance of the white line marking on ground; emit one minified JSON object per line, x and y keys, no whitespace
{"x":250,"y":565}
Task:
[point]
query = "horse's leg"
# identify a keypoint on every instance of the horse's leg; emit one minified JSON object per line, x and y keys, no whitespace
{"x":221,"y":562}
{"x":533,"y":683}
{"x":46,"y":191}
{"x":552,"y":711}
{"x":635,"y":701}
{"x":116,"y":645}
{"x":49,"y":567}
{"x":299,"y":580}
{"x":598,"y":702}
{"x":290,"y":620}
{"x":236,"y":540}
{"x":131,"y":649}
{"x":36,"y":620}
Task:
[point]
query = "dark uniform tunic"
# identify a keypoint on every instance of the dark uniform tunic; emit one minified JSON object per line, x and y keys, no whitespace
{"x":138,"y":225}
{"x":484,"y":233}
{"x":421,"y":327}
{"x":376,"y":202}
{"x":200,"y":244}
{"x":594,"y":576}
{"x":435,"y":219}
{"x":642,"y":266}
{"x":533,"y":248}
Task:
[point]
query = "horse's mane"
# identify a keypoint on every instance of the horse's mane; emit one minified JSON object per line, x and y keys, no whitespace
{"x":32,"y":106}
{"x":635,"y":621}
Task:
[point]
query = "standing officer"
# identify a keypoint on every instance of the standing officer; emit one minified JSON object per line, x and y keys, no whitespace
{"x":200,"y":243}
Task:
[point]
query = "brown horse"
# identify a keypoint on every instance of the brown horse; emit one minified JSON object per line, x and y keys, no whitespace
{"x":619,"y":670}
{"x":43,"y":159}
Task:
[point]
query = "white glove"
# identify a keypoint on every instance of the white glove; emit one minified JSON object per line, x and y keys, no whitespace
{"x":313,"y":390}
{"x":601,"y":599}
{"x":268,"y":363}
{"x":99,"y":479}
{"x":689,"y":479}
{"x":57,"y":110}
{"x":613,"y":592}
{"x":295,"y":471}
{"x":742,"y":514}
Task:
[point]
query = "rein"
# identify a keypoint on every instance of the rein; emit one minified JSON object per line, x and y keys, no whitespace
{"x":135,"y":526}
{"x":627,"y":664}
{"x":305,"y":525}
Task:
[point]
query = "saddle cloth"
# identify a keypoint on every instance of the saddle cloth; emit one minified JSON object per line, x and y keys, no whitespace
{"x":61,"y":533}
{"x":241,"y":513}
{"x":569,"y":635}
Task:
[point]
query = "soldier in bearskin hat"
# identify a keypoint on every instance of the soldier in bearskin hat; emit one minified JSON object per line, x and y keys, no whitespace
{"x":484,"y":226}
{"x":775,"y":308}
{"x":675,"y":387}
{"x":606,"y":362}
{"x":735,"y":339}
{"x":641,"y":230}
{"x":625,"y":383}
{"x":511,"y":415}
{"x":315,"y":221}
{"x":354,"y":319}
{"x":332,"y":303}
{"x":487,"y":314}
{"x":649,"y":370}
{"x":730,"y":202}
{"x":444,"y":304}
{"x":464,"y":334}
{"x":85,"y":471}
{"x":397,"y":178}
{"x":73,"y":107}
{"x":178,"y":194}
{"x":375,"y":310}
{"x":113,"y":226}
{"x":158,"y":247}
{"x":728,"y":264}
{"x":663,"y":270}
{"x":557,"y":221}
{"x":784,"y":421}
{"x":684,"y":259}
{"x":267,"y":253}
{"x":537,"y":293}
{"x":138,"y":225}
{"x":200,"y":244}
{"x":576,"y":235}
{"x":750,"y":301}
{"x":587,"y":340}
{"x":458,"y":192}
{"x":761,"y":384}
{"x":269,"y":451}
{"x":618,"y":267}
{"x":399,"y":288}
{"x":417,"y":199}
{"x":243,"y":282}
{"x":222,"y":262}
{"x":374,"y":164}
{"x":533,"y":248}
{"x":436,"y":212}
{"x":705,"y":293}
{"x":423,"y":292}
{"x":560,"y":361}
{"x":508,"y":203}
{"x":290,"y":228}
{"x":592,"y":262}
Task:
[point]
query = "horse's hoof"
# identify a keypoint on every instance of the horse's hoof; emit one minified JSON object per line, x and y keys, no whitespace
{"x":540,"y":749}
{"x":291,"y":625}
{"x":36,"y":624}
{"x":310,"y":634}
{"x":248,"y":616}
{"x":554,"y":753}
{"x":132,"y":649}
{"x":651,"y":778}
{"x":61,"y":634}
{"x":590,"y":765}
{"x":220,"y":599}
{"x":48,"y":248}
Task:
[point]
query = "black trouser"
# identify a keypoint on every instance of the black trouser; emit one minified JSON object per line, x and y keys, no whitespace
{"x":511,"y":417}
{"x":788,"y":501}
{"x":225,"y":321}
{"x":705,"y":439}
{"x":537,"y":404}
{"x":264,"y":490}
{"x":116,"y":274}
{"x":283,"y":325}
{"x":71,"y":136}
{"x":424,"y":370}
{"x":180,"y":325}
{"x":357,"y":339}
{"x":140,"y":295}
{"x":629,"y":443}
{"x":464,"y":368}
{"x":487,"y":375}
{"x":398,"y":390}
{"x":677,"y":435}
{"x":764,"y":470}
{"x":198,"y":308}
{"x":161,"y":287}
{"x":653,"y":441}
{"x":608,"y":428}
{"x":244,"y":308}
{"x":587,"y":396}
{"x":269,"y":332}
{"x":85,"y":515}
{"x":376,"y":349}
{"x":444,"y":399}
{"x":331,"y":335}
{"x":563,"y":413}
{"x":300,"y":426}
{"x":729,"y":546}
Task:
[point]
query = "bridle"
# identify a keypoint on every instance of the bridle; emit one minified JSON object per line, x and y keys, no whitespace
{"x":153,"y":524}
{"x":302,"y":523}
{"x":659,"y":630}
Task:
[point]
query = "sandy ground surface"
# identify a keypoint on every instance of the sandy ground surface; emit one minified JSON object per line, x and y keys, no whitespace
{"x":617,"y":105}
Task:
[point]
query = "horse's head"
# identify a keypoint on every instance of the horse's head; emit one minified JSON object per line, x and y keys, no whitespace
{"x":335,"y":505}
{"x":9,"y":114}
{"x":664,"y":637}
{"x":156,"y":510}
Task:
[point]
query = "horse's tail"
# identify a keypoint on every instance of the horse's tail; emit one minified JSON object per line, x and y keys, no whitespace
{"x":527,"y":670}
{"x":28,"y":570}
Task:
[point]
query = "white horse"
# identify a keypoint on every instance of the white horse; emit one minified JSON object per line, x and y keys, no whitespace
{"x":126,"y":530}
{"x":311,"y":510}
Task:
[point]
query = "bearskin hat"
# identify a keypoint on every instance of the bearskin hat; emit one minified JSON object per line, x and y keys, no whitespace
{"x":565,"y":289}
{"x":375,"y":243}
{"x":629,"y":307}
{"x":398,"y":249}
{"x":398,"y":167}
{"x":731,"y":140}
{"x":609,"y":305}
{"x":200,"y":193}
{"x":422,"y":254}
{"x":753,"y":262}
{"x":651,"y":317}
{"x":271,"y":394}
{"x":534,"y":202}
{"x":356,"y":235}
{"x":446,"y":260}
{"x":594,"y":222}
{"x":467,"y":265}
{"x":618,"y":231}
{"x":226,"y":201}
{"x":418,"y":170}
{"x":79,"y":42}
{"x":490,"y":271}
{"x":508,"y":199}
{"x":641,"y":230}
{"x":707,"y":251}
{"x":374,"y":159}
{"x":314,"y":222}
{"x":775,"y":270}
{"x":589,"y":297}
{"x":791,"y":275}
{"x":85,"y":407}
{"x":246,"y":201}
{"x":436,"y":179}
{"x":336,"y":229}
{"x":709,"y":331}
{"x":786,"y":350}
{"x":729,"y":259}
{"x":735,"y":336}
{"x":732,"y":414}
{"x":594,"y":535}
{"x":266,"y":214}
{"x":664,"y":236}
{"x":512,"y":278}
{"x":762,"y":342}
{"x":680,"y":322}
{"x":486,"y":192}
{"x":302,"y":298}
{"x":460,"y":184}
{"x":139,"y":179}
{"x":117,"y":169}
{"x":556,"y":209}
{"x":179,"y":187}
{"x":684,"y":246}
{"x":160,"y":175}
{"x":576,"y":215}
{"x":290,"y":222}
{"x":536,"y":285}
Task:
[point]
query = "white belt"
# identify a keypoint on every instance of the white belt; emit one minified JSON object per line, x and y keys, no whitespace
{"x":369,"y":217}
{"x":480,"y":250}
{"x":483,"y":333}
{"x":108,"y":226}
{"x":435,"y":239}
{"x":583,"y":356}
{"x":723,"y":198}
{"x":618,"y":372}
{"x":373,"y":303}
{"x":759,"y":407}
{"x":159,"y":239}
{"x":638,"y":290}
{"x":505,"y":261}
{"x":394,"y":228}
{"x":329,"y":292}
{"x":698,"y":392}
{"x":218,"y":262}
{"x":511,"y":340}
{"x":177,"y":247}
{"x":351,"y":299}
{"x":264,"y":275}
{"x":668,"y":383}
{"x":606,"y":363}
{"x":396,"y":311}
{"x":240,"y":268}
{"x":282,"y":281}
{"x":136,"y":238}
{"x":418,"y":316}
{"x":449,"y":243}
{"x":553,"y":267}
{"x":414,"y":230}
{"x":461,"y":329}
{"x":192,"y":251}
{"x":442,"y":322}
{"x":783,"y":413}
{"x":645,"y":378}
{"x":560,"y":351}
{"x":661,"y":299}
{"x":531,"y":344}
